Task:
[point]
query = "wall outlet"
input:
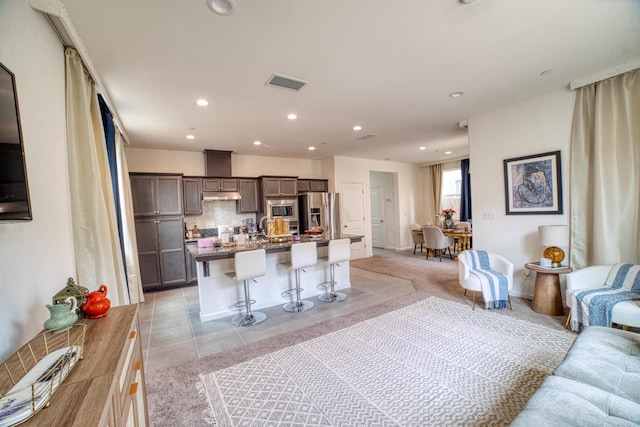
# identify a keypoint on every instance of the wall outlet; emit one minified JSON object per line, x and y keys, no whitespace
{"x":489,"y":215}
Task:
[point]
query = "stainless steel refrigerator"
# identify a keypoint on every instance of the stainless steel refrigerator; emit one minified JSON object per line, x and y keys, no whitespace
{"x":320,"y":210}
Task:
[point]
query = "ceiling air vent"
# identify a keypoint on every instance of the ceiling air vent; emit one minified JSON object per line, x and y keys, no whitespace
{"x":367,"y":136}
{"x":284,"y":82}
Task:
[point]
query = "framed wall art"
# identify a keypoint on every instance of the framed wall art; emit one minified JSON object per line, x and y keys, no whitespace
{"x":533,"y":184}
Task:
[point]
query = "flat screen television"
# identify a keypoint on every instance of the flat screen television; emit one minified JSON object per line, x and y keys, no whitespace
{"x":14,"y":190}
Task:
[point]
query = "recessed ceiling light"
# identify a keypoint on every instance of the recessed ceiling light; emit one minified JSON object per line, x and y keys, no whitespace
{"x":357,"y":127}
{"x":257,"y":142}
{"x":202,"y":102}
{"x":466,"y":1}
{"x":222,"y":7}
{"x":423,"y":148}
{"x":292,"y":116}
{"x":448,"y":152}
{"x":546,"y":72}
{"x":191,"y":137}
{"x":456,"y":94}
{"x":312,"y":148}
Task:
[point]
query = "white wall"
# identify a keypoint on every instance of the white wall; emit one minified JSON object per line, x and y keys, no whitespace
{"x":537,"y":125}
{"x":36,"y":255}
{"x":192,"y":163}
{"x":407,"y":193}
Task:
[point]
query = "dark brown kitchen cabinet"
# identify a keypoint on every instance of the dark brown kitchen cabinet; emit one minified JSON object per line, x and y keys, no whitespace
{"x":219,"y":184}
{"x":250,"y":202}
{"x":279,"y":186}
{"x":161,"y":251}
{"x":192,"y":268}
{"x":192,"y":189}
{"x":313,"y":186}
{"x":156,"y":194}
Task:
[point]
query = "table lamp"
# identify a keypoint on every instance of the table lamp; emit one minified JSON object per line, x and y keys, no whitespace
{"x":553,"y":236}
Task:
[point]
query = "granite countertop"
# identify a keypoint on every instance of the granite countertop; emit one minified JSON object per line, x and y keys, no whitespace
{"x":211,"y":254}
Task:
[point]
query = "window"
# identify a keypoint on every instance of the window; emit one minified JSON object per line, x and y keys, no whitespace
{"x":451,"y":185}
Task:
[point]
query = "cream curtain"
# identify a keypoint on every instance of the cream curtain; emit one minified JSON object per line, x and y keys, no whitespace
{"x":95,"y":232}
{"x":128,"y":224}
{"x":432,"y":177}
{"x":605,"y":172}
{"x":436,"y":179}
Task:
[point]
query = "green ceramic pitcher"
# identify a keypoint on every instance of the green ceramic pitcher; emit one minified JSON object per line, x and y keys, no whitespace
{"x":62,"y":315}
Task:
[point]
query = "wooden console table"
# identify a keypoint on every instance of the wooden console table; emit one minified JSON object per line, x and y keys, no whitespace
{"x":106,"y":387}
{"x":547,"y":296}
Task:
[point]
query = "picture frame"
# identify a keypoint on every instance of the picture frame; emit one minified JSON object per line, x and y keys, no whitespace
{"x":533,"y":184}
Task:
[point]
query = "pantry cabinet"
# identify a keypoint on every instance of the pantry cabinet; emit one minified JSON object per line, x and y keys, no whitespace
{"x":161,"y":251}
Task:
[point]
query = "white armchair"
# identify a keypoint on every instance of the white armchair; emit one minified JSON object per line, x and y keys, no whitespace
{"x":472,"y":283}
{"x":418,"y":238}
{"x":434,"y":239}
{"x":625,"y":313}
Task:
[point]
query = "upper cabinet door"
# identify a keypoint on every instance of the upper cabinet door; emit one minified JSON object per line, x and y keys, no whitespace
{"x":319,"y":185}
{"x":169,"y":195}
{"x":192,"y":196}
{"x":288,"y":187}
{"x":143,"y":193}
{"x":249,"y":192}
{"x":156,"y":195}
{"x":220,"y":184}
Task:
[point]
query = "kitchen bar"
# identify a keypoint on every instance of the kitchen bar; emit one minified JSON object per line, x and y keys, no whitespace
{"x":219,"y":294}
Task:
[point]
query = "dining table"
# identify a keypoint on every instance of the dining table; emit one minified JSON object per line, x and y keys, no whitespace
{"x":462,"y":238}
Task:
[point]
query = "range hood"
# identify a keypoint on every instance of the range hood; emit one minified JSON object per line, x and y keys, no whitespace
{"x":221,"y":195}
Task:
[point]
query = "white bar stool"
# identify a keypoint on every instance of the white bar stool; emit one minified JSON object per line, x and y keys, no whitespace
{"x":248,"y":265}
{"x":302,"y":255}
{"x":339,"y":251}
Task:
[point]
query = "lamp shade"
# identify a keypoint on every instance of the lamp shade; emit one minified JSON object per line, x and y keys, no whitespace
{"x":553,"y":235}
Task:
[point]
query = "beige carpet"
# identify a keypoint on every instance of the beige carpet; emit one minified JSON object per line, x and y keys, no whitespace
{"x":432,"y":363}
{"x":172,"y":397}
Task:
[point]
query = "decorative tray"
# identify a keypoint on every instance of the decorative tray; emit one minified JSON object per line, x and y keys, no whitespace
{"x":279,"y":238}
{"x":314,"y":231}
{"x":31,"y":375}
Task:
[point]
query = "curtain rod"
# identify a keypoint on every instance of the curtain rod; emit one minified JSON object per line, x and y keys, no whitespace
{"x":616,"y":70}
{"x":58,"y":17}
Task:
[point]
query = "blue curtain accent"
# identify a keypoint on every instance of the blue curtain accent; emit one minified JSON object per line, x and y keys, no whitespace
{"x":465,"y":191}
{"x":110,"y":137}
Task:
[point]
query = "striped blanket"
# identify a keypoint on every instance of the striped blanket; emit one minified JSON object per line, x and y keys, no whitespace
{"x":495,"y":285}
{"x":594,"y":307}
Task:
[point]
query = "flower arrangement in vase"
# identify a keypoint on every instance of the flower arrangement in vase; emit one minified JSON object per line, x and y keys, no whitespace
{"x":447,"y":214}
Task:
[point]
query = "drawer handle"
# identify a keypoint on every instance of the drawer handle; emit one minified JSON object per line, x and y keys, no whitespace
{"x":132,"y":335}
{"x":137,"y":365}
{"x":134,"y":388}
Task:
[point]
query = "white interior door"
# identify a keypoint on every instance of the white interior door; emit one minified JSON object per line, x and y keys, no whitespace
{"x":377,"y":217}
{"x":352,"y":202}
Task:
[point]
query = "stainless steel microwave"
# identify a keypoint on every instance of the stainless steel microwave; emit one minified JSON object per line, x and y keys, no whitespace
{"x":285,"y":208}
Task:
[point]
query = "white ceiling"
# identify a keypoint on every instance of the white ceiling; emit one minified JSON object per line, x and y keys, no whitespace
{"x":388,"y":66}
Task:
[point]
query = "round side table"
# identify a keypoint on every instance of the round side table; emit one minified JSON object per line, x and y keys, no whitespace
{"x":547,"y":297}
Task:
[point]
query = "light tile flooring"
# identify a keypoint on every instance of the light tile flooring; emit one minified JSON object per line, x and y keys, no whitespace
{"x":173,"y":333}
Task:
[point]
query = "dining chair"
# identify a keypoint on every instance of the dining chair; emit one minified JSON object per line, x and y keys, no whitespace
{"x":434,"y":239}
{"x":418,"y":238}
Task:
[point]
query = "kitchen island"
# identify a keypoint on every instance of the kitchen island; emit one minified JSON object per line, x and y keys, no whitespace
{"x":219,"y":294}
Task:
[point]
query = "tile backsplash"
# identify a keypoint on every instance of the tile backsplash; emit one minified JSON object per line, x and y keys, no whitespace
{"x":217,"y":212}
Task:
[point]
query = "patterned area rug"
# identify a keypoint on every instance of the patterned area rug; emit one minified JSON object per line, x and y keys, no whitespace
{"x":435,"y":362}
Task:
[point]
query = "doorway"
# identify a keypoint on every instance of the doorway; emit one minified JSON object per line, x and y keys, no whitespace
{"x":383,"y":207}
